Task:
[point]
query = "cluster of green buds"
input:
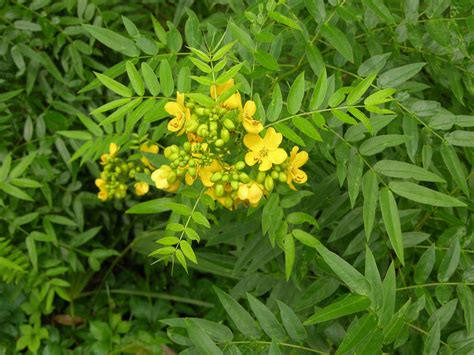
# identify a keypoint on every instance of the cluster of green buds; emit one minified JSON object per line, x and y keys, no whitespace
{"x":118,"y":174}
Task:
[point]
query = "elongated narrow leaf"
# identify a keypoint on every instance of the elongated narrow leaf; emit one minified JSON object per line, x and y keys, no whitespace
{"x":450,"y":261}
{"x":166,"y":78}
{"x":466,"y":298}
{"x":378,"y":144}
{"x":460,"y":138}
{"x":391,"y":220}
{"x":423,"y":194}
{"x":361,"y":88}
{"x":370,"y":192}
{"x":135,"y":79}
{"x":113,"y":40}
{"x":398,"y":169}
{"x":373,"y":276}
{"x":201,"y":339}
{"x":289,"y":255}
{"x":389,"y":297}
{"x":348,"y":305}
{"x":354,"y":177}
{"x":455,"y":167}
{"x":357,"y":333}
{"x":306,"y":127}
{"x":115,"y":86}
{"x":274,"y":109}
{"x":432,"y":341}
{"x":425,"y":265}
{"x":151,"y":80}
{"x":266,"y":319}
{"x":320,"y":90}
{"x":338,"y":40}
{"x":242,"y":319}
{"x":295,"y":95}
{"x":397,"y":76}
{"x":292,"y":323}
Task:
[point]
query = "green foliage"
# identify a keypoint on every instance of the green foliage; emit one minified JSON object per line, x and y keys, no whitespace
{"x":372,"y":254}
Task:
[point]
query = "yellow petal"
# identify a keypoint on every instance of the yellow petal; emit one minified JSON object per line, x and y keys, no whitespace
{"x":250,"y":108}
{"x":234,"y":101}
{"x":272,"y":139}
{"x":100,"y":183}
{"x":255,"y":194}
{"x":265,"y":164}
{"x":103,"y":195}
{"x":174,"y":187}
{"x":300,"y":177}
{"x":141,"y":188}
{"x":180,"y":99}
{"x":243,"y":192}
{"x":173,"y":108}
{"x":253,"y":141}
{"x":176,"y":124}
{"x":300,"y":159}
{"x":277,"y":156}
{"x":252,"y":126}
{"x":160,"y":176}
{"x":251,"y":158}
{"x":188,"y":179}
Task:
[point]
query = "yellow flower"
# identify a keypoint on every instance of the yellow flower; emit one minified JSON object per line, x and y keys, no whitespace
{"x":253,"y":192}
{"x":264,"y":151}
{"x":206,"y":172}
{"x":160,"y":178}
{"x":141,"y":188}
{"x":250,"y":124}
{"x":149,"y":149}
{"x":234,"y":101}
{"x":103,"y":193}
{"x":294,"y":173}
{"x":113,"y":151}
{"x":180,"y":112}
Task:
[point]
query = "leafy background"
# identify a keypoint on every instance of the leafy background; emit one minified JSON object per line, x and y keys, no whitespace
{"x":377,"y":247}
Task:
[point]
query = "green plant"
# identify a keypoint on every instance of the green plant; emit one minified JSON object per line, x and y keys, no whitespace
{"x":372,"y":254}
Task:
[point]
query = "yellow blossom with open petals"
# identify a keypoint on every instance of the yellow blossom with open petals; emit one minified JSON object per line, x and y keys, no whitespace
{"x":103,"y":193}
{"x":180,"y":112}
{"x":250,"y":124}
{"x":264,"y":151}
{"x":205,"y":172}
{"x":252,"y":192}
{"x":233,"y":102}
{"x":149,"y":149}
{"x":160,"y":178}
{"x":295,"y":162}
{"x":141,"y":188}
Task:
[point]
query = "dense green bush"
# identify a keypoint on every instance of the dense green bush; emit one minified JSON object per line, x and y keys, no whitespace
{"x":374,"y":253}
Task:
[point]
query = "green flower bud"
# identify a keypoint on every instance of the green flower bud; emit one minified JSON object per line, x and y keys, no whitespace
{"x":222,"y":110}
{"x":173,"y":156}
{"x":219,"y":190}
{"x":282,"y":177}
{"x":261,"y":176}
{"x":192,"y":171}
{"x":216,"y":177}
{"x":174,"y":148}
{"x":192,"y":162}
{"x":235,"y":185}
{"x":213,"y":126}
{"x":274,"y":175}
{"x":269,"y":184}
{"x":276,"y":168}
{"x":225,"y":178}
{"x":207,"y":111}
{"x":167,"y":152}
{"x":192,"y":126}
{"x":182,"y":164}
{"x":240,"y":165}
{"x":229,"y":124}
{"x":228,"y":202}
{"x":213,"y":133}
{"x":118,"y":170}
{"x":147,"y":171}
{"x":199,"y":111}
{"x":219,"y":143}
{"x":244,"y":178}
{"x":171,"y":177}
{"x":131,"y":174}
{"x":215,"y":116}
{"x":183,"y":152}
{"x":187,"y":146}
{"x":235,"y":177}
{"x":225,"y":135}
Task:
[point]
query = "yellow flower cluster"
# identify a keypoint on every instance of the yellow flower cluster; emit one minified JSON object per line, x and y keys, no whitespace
{"x":114,"y":179}
{"x":233,"y":173}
